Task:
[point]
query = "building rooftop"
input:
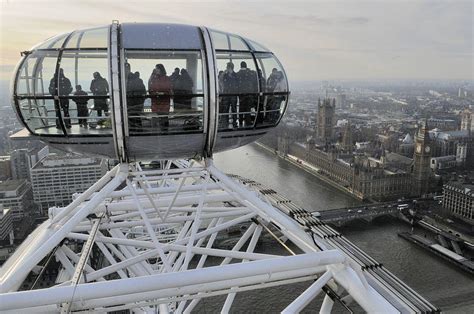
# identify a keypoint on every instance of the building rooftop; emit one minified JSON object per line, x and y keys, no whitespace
{"x":52,"y":161}
{"x":394,"y":157}
{"x":447,"y":135}
{"x":466,"y":188}
{"x":11,"y":185}
{"x":444,"y":158}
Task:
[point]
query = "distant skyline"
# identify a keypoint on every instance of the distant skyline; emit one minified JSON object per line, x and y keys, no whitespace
{"x":314,"y":40}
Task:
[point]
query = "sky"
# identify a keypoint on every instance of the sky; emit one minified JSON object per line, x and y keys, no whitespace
{"x":315,"y":40}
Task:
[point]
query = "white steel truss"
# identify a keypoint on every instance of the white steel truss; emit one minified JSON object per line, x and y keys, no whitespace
{"x":140,"y":240}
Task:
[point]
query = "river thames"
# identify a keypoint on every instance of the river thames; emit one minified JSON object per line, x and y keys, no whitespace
{"x":441,"y":283}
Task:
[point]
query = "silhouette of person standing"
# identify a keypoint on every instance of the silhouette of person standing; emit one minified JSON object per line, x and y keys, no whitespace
{"x":136,"y":93}
{"x":230,"y":85}
{"x":100,"y":87}
{"x":183,"y":86}
{"x":160,"y":88}
{"x":61,"y":86}
{"x":81,"y":103}
{"x":247,"y":86}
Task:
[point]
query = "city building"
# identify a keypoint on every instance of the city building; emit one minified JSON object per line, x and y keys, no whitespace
{"x":6,"y":226}
{"x":461,"y":154}
{"x":422,"y":173}
{"x":459,"y":199}
{"x":19,"y":164}
{"x":5,"y":168}
{"x":407,"y":146}
{"x":443,"y":162}
{"x":341,"y":100}
{"x":347,"y":143}
{"x":398,"y":161}
{"x":467,"y":121}
{"x":56,"y":178}
{"x":365,"y":178}
{"x":16,"y":195}
{"x":443,"y":124}
{"x":388,"y":175}
{"x":462,"y":92}
{"x":445,"y":142}
{"x":22,"y":160}
{"x":326,"y":119}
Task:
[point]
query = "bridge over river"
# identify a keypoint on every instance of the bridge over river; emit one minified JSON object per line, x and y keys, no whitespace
{"x":341,"y":216}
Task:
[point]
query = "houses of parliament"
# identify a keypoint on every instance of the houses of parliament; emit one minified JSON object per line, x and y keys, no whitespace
{"x":367,"y":171}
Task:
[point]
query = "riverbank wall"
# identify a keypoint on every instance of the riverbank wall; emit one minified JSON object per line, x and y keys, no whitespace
{"x":313,"y":171}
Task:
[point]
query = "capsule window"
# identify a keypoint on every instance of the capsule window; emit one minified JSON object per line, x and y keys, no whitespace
{"x":84,"y":92}
{"x":52,"y":43}
{"x":256,"y":46}
{"x":89,"y":39}
{"x":164,"y":92}
{"x":39,"y":115}
{"x":35,"y":74}
{"x":275,"y":90}
{"x":238,"y":90}
{"x":224,"y":41}
{"x":34,"y":96}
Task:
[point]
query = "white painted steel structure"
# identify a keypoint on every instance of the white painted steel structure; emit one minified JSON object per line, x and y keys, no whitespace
{"x":154,"y":231}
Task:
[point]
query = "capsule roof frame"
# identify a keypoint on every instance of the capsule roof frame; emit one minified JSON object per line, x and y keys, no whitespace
{"x":119,"y":141}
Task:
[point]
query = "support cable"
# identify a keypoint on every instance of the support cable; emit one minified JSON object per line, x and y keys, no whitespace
{"x":275,"y":237}
{"x":82,"y":262}
{"x":44,"y":266}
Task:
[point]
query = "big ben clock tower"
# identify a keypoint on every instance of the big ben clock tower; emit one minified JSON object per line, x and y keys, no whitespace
{"x":421,"y":169}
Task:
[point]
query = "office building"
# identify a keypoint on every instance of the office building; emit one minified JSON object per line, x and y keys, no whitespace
{"x":56,"y":178}
{"x":16,"y":195}
{"x":459,"y":199}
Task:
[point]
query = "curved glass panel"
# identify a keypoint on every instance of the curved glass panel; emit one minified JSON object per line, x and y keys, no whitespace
{"x":273,"y":73}
{"x":160,"y":36}
{"x":52,"y":43}
{"x":164,"y":91}
{"x":35,"y":90}
{"x":256,"y":46}
{"x":39,"y":115}
{"x":89,"y":39}
{"x":36,"y":74}
{"x":238,"y":90}
{"x":274,"y":87}
{"x":224,"y":41}
{"x":85,"y":109}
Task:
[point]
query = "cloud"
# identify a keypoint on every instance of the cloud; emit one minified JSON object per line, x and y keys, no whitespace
{"x":320,"y":20}
{"x":340,"y":38}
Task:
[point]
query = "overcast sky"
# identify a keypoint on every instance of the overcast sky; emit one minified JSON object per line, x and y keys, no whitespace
{"x":345,"y":39}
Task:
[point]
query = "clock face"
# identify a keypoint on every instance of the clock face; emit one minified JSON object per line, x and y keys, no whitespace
{"x":427,"y":149}
{"x":418,"y":148}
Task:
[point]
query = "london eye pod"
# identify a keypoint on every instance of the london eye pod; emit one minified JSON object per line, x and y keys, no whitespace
{"x":135,"y":91}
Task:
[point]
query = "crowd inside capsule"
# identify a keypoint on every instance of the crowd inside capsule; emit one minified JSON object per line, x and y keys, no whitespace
{"x":238,"y":102}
